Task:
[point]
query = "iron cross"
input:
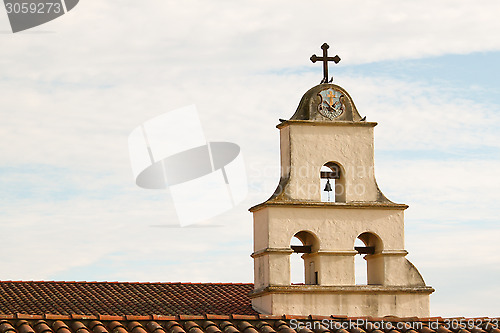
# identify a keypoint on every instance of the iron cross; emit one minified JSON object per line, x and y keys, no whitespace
{"x":325,"y":58}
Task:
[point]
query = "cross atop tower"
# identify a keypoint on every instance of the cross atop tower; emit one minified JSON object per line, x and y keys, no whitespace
{"x":325,"y":59}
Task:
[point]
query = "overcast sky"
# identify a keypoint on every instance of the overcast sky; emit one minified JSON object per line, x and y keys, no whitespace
{"x":73,"y":89}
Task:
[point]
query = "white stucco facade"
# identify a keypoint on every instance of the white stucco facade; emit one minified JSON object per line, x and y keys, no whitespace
{"x":328,"y":230}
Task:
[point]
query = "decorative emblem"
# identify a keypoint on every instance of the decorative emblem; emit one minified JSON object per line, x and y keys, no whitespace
{"x":330,"y":104}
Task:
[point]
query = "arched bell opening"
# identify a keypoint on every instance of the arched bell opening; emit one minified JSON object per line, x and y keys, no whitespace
{"x":332,"y":182}
{"x":360,"y":266}
{"x":303,"y":265}
{"x":369,"y":268}
{"x":297,"y":273}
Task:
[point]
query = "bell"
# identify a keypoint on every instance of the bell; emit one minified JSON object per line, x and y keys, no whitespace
{"x":328,"y":187}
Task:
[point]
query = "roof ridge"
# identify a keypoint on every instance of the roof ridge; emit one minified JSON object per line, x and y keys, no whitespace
{"x":183,"y":317}
{"x":126,"y":282}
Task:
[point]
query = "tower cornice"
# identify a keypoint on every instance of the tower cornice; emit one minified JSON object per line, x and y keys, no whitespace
{"x":343,"y":290}
{"x":330,"y":205}
{"x":326,"y":123}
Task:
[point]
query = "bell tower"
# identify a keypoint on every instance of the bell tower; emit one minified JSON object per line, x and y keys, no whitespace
{"x":328,"y":229}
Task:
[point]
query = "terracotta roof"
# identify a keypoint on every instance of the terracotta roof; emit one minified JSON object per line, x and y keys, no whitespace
{"x":124,"y":298}
{"x":238,"y":324}
{"x":120,"y":307}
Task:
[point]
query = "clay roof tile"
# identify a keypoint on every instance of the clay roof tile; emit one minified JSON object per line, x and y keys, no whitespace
{"x":305,"y":330}
{"x":42,"y":327}
{"x":59,"y":326}
{"x":192,"y":327}
{"x":210,"y":327}
{"x":136,"y":327}
{"x":24,"y":327}
{"x":174,"y":327}
{"x":228,"y":327}
{"x":97,"y":327}
{"x":282,"y":327}
{"x":426,"y":330}
{"x":117,"y":327}
{"x":154,"y":327}
{"x":264,"y":327}
{"x":6,"y":327}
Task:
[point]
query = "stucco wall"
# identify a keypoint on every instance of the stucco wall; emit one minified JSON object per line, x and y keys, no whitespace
{"x":307,"y":146}
{"x":335,"y":227}
{"x":395,"y":285}
{"x":412,"y":302}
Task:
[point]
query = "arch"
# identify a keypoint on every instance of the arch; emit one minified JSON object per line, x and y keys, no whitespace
{"x":310,"y":246}
{"x":297,"y":273}
{"x":373,"y":246}
{"x":360,"y":266}
{"x":332,"y":176}
{"x":372,"y":240}
{"x":308,"y":238}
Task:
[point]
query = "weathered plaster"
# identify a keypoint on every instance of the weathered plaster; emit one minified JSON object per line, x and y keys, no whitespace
{"x":308,"y":141}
